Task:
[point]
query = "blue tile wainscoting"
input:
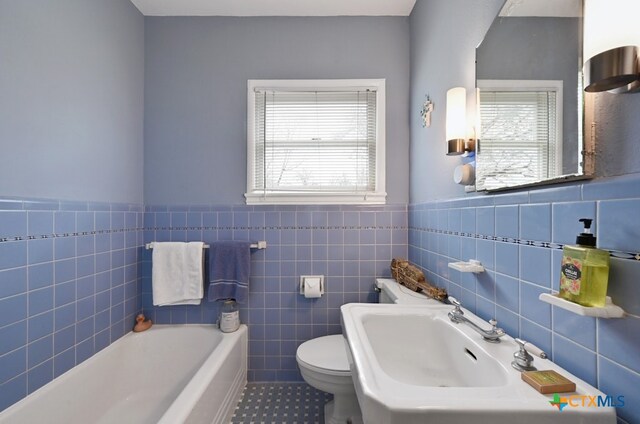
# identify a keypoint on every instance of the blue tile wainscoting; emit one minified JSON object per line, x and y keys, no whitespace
{"x":350,"y":245}
{"x":74,"y":274}
{"x":518,"y":237}
{"x":68,"y":286}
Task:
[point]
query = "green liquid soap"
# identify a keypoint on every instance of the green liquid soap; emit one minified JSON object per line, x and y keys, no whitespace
{"x":584,"y":273}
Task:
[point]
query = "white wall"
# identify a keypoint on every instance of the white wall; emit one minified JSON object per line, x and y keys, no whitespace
{"x":196,"y":90}
{"x":444,"y":36}
{"x":71,"y":100}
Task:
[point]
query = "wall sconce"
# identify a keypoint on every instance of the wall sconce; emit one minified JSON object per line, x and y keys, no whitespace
{"x":611,"y":46}
{"x":457,"y":140}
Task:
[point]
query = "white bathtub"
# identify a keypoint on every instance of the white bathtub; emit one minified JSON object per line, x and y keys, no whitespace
{"x":169,"y":374}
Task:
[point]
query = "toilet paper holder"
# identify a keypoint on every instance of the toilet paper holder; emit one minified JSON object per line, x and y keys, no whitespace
{"x":311,"y":279}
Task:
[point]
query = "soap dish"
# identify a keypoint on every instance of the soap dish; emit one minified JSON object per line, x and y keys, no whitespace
{"x":471,"y":266}
{"x":609,"y":310}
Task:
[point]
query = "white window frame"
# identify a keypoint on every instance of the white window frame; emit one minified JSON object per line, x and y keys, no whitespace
{"x":531,"y":85}
{"x":377,"y":197}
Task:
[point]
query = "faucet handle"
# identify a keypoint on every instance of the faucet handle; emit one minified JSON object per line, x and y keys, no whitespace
{"x":523,"y":361}
{"x":494,"y":327}
{"x":455,"y":302}
{"x":531,"y":348}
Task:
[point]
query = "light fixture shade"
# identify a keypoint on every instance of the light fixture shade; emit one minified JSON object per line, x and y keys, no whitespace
{"x":611,"y":41}
{"x":616,"y":70}
{"x":456,"y":114}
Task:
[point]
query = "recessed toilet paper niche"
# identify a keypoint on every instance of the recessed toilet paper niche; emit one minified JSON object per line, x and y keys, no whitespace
{"x":312,"y":286}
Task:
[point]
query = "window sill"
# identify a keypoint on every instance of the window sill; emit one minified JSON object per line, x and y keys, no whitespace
{"x":316,"y":199}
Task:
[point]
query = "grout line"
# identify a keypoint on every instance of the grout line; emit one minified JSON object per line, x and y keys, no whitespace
{"x":626,"y":368}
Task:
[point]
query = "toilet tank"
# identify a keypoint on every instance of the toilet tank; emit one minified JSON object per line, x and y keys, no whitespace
{"x":392,"y":292}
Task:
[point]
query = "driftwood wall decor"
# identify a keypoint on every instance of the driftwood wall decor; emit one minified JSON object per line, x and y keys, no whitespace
{"x":412,"y":277}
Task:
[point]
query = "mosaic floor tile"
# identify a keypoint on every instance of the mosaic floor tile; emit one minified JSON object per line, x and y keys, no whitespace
{"x":280,"y":403}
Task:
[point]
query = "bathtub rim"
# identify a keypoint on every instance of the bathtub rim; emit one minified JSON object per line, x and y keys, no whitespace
{"x":186,"y":401}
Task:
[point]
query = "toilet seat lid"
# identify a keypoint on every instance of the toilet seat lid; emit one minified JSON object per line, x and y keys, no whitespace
{"x":327,"y":353}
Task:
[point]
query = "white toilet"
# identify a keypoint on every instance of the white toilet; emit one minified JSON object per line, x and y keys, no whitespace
{"x":323,"y":361}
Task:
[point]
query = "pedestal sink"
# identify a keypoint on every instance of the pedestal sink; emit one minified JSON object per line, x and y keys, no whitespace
{"x":411,"y":364}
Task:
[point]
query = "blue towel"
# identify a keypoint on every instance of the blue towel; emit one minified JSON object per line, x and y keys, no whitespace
{"x":229,"y":270}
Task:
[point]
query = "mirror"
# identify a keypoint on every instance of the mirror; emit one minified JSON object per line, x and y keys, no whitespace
{"x":530,"y":97}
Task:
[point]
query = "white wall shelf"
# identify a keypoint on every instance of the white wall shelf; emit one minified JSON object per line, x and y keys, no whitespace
{"x":470,"y":266}
{"x":609,"y":310}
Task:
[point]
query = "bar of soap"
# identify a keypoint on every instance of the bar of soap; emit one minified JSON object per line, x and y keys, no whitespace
{"x":548,"y":381}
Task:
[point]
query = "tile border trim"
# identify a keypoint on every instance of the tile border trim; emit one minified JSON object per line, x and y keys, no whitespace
{"x":549,"y":245}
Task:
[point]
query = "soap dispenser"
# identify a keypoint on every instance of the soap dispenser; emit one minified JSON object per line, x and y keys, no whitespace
{"x":584,"y":272}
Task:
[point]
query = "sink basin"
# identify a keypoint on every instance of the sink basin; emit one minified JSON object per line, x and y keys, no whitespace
{"x":411,"y":364}
{"x":429,"y":360}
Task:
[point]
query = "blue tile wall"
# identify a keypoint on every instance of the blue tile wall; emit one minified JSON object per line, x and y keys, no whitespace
{"x":521,"y":250}
{"x":68,"y":286}
{"x":74,"y":274}
{"x":350,"y":245}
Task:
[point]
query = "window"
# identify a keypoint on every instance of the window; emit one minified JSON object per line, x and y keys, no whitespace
{"x":315,"y":142}
{"x":520,"y":132}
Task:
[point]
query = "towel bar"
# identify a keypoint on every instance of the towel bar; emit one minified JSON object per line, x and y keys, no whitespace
{"x":150,"y":246}
{"x":262,"y":244}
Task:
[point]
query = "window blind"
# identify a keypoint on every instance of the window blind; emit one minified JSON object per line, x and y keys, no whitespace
{"x":314,"y":142}
{"x":518,"y":138}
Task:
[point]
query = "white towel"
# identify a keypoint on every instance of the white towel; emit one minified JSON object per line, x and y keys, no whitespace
{"x":177,"y":273}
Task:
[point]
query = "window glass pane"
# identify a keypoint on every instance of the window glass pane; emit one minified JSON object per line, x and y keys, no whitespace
{"x":309,"y":141}
{"x":518,"y":140}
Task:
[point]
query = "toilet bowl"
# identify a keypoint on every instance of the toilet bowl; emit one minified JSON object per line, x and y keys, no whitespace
{"x":324,"y":365}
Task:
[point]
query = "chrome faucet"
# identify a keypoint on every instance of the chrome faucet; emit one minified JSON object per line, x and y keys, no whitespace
{"x":522,"y":360}
{"x":457,"y":315}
